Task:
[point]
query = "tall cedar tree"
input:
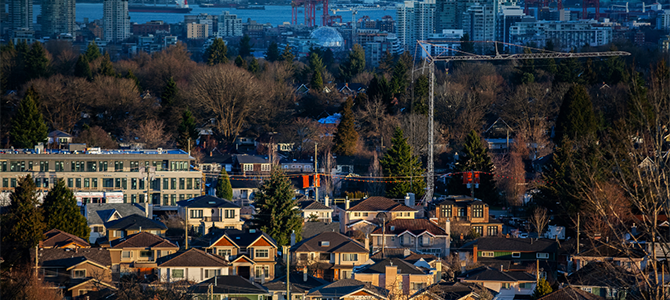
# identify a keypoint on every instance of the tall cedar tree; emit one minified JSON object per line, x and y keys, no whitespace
{"x":543,"y":288}
{"x":60,"y":211}
{"x":569,"y":71}
{"x":399,"y":79}
{"x":316,"y":83}
{"x":92,"y":52}
{"x":557,"y":193}
{"x":276,"y":212}
{"x":216,"y":53}
{"x":399,"y":162}
{"x":354,"y":64}
{"x":28,"y":126}
{"x":287,"y":54}
{"x":346,"y":136}
{"x":168,"y":96}
{"x":245,"y":46}
{"x":253,"y":66}
{"x":576,"y":119}
{"x":421,"y":90}
{"x":315,"y":62}
{"x":82,"y":68}
{"x":37,"y":62}
{"x":187,"y":129}
{"x":240,"y":62}
{"x":329,"y":57}
{"x":224,"y":189}
{"x":474,"y":157}
{"x":272,"y":54}
{"x":23,"y":224}
{"x":106,"y":67}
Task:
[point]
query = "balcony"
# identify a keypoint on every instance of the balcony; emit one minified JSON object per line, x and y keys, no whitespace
{"x":212,"y":219}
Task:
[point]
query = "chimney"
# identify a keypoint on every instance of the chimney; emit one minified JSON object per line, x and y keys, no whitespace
{"x":326,"y":201}
{"x":407,"y":200}
{"x":501,"y":268}
{"x":146,"y":209}
{"x":474,"y":253}
{"x":263,"y":276}
{"x":293,"y":238}
{"x":463,"y":267}
{"x":447,"y":228}
{"x":304,"y":274}
{"x":140,"y":228}
{"x":367,"y":243}
{"x":406,"y":252}
{"x":390,"y":276}
{"x":438,"y":270}
{"x":346,"y":203}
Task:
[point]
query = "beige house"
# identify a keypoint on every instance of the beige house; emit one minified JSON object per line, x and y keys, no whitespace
{"x":397,"y":276}
{"x":348,"y":289}
{"x":332,"y":255}
{"x":192,"y":265}
{"x":139,"y":252}
{"x":82,"y":272}
{"x":362,"y":215}
{"x":206,"y":212}
{"x":312,"y":209}
{"x":420,"y":235}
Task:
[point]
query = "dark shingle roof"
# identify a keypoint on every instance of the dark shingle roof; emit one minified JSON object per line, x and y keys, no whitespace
{"x":404,"y":253}
{"x":135,"y":222}
{"x":515,"y":244}
{"x":239,"y":237}
{"x":311,"y":204}
{"x":99,"y":213}
{"x":57,"y":238}
{"x":337,"y":243}
{"x":447,"y":290}
{"x":244,"y":184}
{"x":142,"y":240}
{"x":403,"y":267}
{"x":490,"y":274}
{"x":343,"y":287}
{"x":192,"y":258}
{"x":67,"y":257}
{"x":250,"y":159}
{"x":377,"y":203}
{"x":570,"y":293}
{"x":298,"y":285}
{"x":460,"y":200}
{"x":228,"y":284}
{"x":602,"y":274}
{"x":207,"y":202}
{"x":415,"y":226}
{"x":606,"y":250}
{"x":58,"y":133}
{"x":310,"y":229}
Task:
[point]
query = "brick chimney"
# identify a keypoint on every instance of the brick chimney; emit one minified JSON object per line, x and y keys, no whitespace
{"x":474,"y":253}
{"x":390,"y":276}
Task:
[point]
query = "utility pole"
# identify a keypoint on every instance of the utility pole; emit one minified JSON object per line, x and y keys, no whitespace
{"x":288,"y":272}
{"x":186,"y":229}
{"x":316,"y":174}
{"x":429,"y":48}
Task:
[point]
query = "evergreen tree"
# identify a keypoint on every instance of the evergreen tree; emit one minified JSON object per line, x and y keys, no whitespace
{"x":569,"y":70}
{"x":92,"y":51}
{"x":354,"y":64}
{"x":346,"y":136}
{"x":131,"y":75}
{"x":240,"y":62}
{"x":399,"y":162}
{"x":272,"y":54}
{"x":576,"y":119}
{"x":224,"y":189}
{"x":216,"y":53}
{"x":316,"y":83}
{"x":37,"y":62}
{"x":589,"y":76}
{"x":386,"y":64}
{"x":245,"y":46}
{"x":467,"y":45}
{"x":168,"y":98}
{"x":61,"y":212}
{"x":379,"y":88}
{"x":187,"y":130}
{"x":474,"y":157}
{"x":106,"y":67}
{"x":82,"y":68}
{"x":253,"y":66}
{"x":615,"y":69}
{"x":328,"y":57}
{"x":315,"y":63}
{"x":399,"y":79}
{"x":275,"y":209}
{"x":287,"y":55}
{"x":559,"y":184}
{"x":28,"y":126}
{"x":421,"y":93}
{"x":23,"y":224}
{"x":543,"y":288}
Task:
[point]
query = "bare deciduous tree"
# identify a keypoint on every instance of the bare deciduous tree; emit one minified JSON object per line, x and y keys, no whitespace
{"x":152,"y":133}
{"x":539,"y":219}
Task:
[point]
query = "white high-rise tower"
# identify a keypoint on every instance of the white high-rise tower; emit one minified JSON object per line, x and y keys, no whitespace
{"x":116,"y":20}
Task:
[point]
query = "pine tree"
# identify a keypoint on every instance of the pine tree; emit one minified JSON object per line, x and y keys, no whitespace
{"x":380,"y":89}
{"x":106,"y":67}
{"x":329,"y":57}
{"x":23,"y":224}
{"x":187,"y":130}
{"x":275,"y":209}
{"x":474,"y":157}
{"x":37,"y":62}
{"x":543,"y":288}
{"x":253,"y":66}
{"x":92,"y":51}
{"x":223,"y":188}
{"x":240,"y":62}
{"x":28,"y":126}
{"x":576,"y":119}
{"x":245,"y":46}
{"x":316,"y":83}
{"x":421,"y":90}
{"x":169,"y":93}
{"x":399,"y":162}
{"x":131,"y":75}
{"x":82,"y":68}
{"x":346,"y":136}
{"x":216,"y":53}
{"x":399,"y":79}
{"x":569,"y":71}
{"x":315,"y":63}
{"x":386,"y":64}
{"x":354,"y":64}
{"x":61,"y":212}
{"x":287,"y":55}
{"x":272,"y":54}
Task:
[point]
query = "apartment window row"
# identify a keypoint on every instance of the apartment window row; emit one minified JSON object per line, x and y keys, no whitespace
{"x":117,"y":183}
{"x":181,"y":183}
{"x":90,"y":166}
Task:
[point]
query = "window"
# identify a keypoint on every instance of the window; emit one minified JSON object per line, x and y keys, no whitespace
{"x":146,"y":253}
{"x":516,"y":254}
{"x":79,"y":274}
{"x":119,"y":233}
{"x":357,"y":214}
{"x":102,"y":166}
{"x":38,"y":182}
{"x":78,"y":183}
{"x":141,"y":181}
{"x":3,"y":166}
{"x":418,"y":286}
{"x":108,"y":182}
{"x":526,"y":285}
{"x":181,"y":183}
{"x":91,"y":166}
{"x":265,"y":167}
{"x":70,"y":183}
{"x":365,"y":214}
{"x":133,"y":198}
{"x":487,"y":253}
{"x":225,"y":252}
{"x":30,"y":166}
{"x":189,"y":183}
{"x":506,"y":285}
{"x":133,"y":183}
{"x":173,"y":183}
{"x":134,"y":166}
{"x":229,"y":213}
{"x":542,"y":255}
{"x":44,"y":166}
{"x":60,"y":166}
{"x":126,"y":254}
{"x":478,"y":211}
{"x":587,"y":289}
{"x":248,"y":167}
{"x":262,"y":271}
{"x":196,"y":184}
{"x":350,"y":257}
{"x":346,"y":274}
{"x":212,"y":273}
{"x":196,"y":214}
{"x":492,"y":230}
{"x":87,"y":182}
{"x":478,"y":230}
{"x":324,"y":256}
{"x":166,"y":182}
{"x":5,"y":182}
{"x":118,"y":166}
{"x":166,"y":199}
{"x":177,"y":273}
{"x":12,"y":182}
{"x":94,"y":183}
{"x":117,"y":183}
{"x":98,"y":229}
{"x":462,"y":212}
{"x":262,"y":253}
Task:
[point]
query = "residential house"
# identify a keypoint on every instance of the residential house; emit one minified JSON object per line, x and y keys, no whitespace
{"x":347,"y":289}
{"x":447,"y":290}
{"x":514,"y":254}
{"x":310,"y":229}
{"x":81,"y":272}
{"x":250,"y":165}
{"x":397,"y":276}
{"x":570,"y":293}
{"x":133,"y":224}
{"x":244,"y":190}
{"x":297,"y":165}
{"x":55,"y":238}
{"x":604,"y":279}
{"x":301,"y":283}
{"x":506,"y":284}
{"x":425,"y":261}
{"x":228,"y":287}
{"x":279,"y":142}
{"x":332,"y":254}
{"x":351,"y":89}
{"x":59,"y":139}
{"x":315,"y":210}
{"x":205,"y":212}
{"x":97,"y":214}
{"x":470,"y":213}
{"x":252,"y":253}
{"x":628,"y":256}
{"x":245,"y":142}
{"x":420,"y":235}
{"x":499,"y":136}
{"x":139,"y":252}
{"x":362,"y":215}
{"x":192,"y":265}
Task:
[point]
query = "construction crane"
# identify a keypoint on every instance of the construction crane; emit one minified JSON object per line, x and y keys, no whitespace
{"x":443,"y":50}
{"x":620,"y":6}
{"x":310,"y":12}
{"x":354,"y":11}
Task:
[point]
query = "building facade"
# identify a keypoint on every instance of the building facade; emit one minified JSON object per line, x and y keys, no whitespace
{"x":229,"y":25}
{"x":20,"y":14}
{"x":195,"y":31}
{"x":479,"y":22}
{"x":58,"y":16}
{"x":116,"y":20}
{"x":565,"y":35}
{"x":416,"y":20}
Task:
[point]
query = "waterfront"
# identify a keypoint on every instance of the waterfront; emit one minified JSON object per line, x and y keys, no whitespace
{"x":273,"y":14}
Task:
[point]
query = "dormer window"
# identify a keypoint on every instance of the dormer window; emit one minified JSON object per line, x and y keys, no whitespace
{"x":392,"y":228}
{"x":325,"y":243}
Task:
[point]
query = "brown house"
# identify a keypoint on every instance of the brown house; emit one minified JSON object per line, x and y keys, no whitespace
{"x":133,"y":224}
{"x":332,"y":256}
{"x":468,"y":213}
{"x":139,"y":252}
{"x":60,"y":239}
{"x":80,"y":273}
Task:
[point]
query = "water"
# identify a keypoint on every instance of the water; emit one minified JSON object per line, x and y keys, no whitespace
{"x":273,"y":14}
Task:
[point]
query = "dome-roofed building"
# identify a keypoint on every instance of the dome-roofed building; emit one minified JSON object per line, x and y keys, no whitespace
{"x":328,"y":37}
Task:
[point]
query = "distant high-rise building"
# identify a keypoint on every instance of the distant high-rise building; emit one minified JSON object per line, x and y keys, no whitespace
{"x":229,"y":25}
{"x":58,"y":16}
{"x":116,"y":20}
{"x":506,"y":18}
{"x":20,"y":15}
{"x":479,"y":22}
{"x":449,"y":13}
{"x":416,"y":21}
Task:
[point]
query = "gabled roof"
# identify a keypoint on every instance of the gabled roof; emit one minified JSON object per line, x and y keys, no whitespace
{"x":447,"y":290}
{"x":311,"y":204}
{"x":228,"y":284}
{"x":142,"y":240}
{"x":413,"y":226}
{"x":607,"y":250}
{"x":602,"y":274}
{"x":192,"y":258}
{"x":77,"y":283}
{"x":250,"y":159}
{"x":100,"y":213}
{"x":310,"y":229}
{"x":345,"y":287}
{"x":135,"y":222}
{"x":486,"y":273}
{"x":378,"y":203}
{"x":64,"y":258}
{"x":238,"y":237}
{"x":460,"y":200}
{"x":59,"y":134}
{"x":570,"y":293}
{"x":403,"y":253}
{"x":514,"y":244}
{"x":207,"y":202}
{"x":298,"y":284}
{"x":58,"y":239}
{"x":337,"y":243}
{"x":403,"y":267}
